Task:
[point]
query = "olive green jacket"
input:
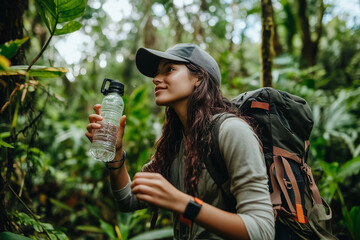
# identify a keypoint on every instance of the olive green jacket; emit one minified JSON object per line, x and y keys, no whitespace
{"x":243,"y":157}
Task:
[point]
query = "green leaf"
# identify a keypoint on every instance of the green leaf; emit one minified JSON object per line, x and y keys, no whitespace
{"x":12,"y":236}
{"x":331,"y":179}
{"x":9,"y":49}
{"x":5,"y":144}
{"x":47,"y":11}
{"x":139,"y":94}
{"x":60,"y":204}
{"x":48,"y":72}
{"x":60,"y":11}
{"x":68,"y":28}
{"x":355,"y":218}
{"x":4,"y":135}
{"x":2,"y":142}
{"x":93,"y":210}
{"x":35,"y":71}
{"x":70,"y":9}
{"x":155,"y":234}
{"x":36,"y":226}
{"x":60,"y":235}
{"x":107,"y":228}
{"x":4,"y":63}
{"x":47,"y":226}
{"x":88,"y":228}
{"x":350,"y":168}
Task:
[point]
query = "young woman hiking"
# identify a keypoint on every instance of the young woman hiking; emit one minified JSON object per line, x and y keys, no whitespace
{"x":187,"y":81}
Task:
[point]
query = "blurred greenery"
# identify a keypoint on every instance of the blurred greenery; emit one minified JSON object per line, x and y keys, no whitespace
{"x":51,"y":188}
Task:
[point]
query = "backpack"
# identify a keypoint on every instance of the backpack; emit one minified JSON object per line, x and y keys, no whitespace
{"x":285,"y":123}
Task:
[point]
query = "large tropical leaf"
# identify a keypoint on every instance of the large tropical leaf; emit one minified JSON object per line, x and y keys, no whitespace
{"x":12,"y":236}
{"x":69,"y":9}
{"x":350,"y":168}
{"x":68,"y":28}
{"x":35,"y":71}
{"x":61,"y":11}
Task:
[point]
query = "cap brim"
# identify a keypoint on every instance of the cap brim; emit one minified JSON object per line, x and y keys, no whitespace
{"x":147,"y":60}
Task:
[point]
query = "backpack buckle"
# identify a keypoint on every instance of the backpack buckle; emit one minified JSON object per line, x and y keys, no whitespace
{"x":310,"y":179}
{"x":306,"y":169}
{"x":288,"y":184}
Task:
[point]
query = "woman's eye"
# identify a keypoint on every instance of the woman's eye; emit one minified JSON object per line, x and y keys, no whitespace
{"x":170,"y":69}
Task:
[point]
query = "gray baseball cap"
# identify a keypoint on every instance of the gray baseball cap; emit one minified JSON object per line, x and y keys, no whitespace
{"x":147,"y":60}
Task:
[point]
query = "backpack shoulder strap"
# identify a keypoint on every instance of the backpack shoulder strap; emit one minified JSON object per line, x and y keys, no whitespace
{"x":216,"y":164}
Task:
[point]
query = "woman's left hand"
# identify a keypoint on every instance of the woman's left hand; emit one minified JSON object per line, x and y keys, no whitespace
{"x":156,"y":190}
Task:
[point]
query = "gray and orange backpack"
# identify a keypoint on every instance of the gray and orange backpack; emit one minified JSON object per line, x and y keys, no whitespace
{"x":285,"y":122}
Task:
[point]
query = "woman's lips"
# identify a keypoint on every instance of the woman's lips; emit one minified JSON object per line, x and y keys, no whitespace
{"x":158,"y":90}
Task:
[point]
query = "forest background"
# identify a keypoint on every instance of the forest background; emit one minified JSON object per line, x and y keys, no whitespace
{"x":54,"y":56}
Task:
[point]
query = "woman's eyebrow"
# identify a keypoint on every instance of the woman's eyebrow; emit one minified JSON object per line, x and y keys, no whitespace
{"x":166,"y":64}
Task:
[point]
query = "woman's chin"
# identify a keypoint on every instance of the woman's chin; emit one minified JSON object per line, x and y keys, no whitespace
{"x":160,"y":102}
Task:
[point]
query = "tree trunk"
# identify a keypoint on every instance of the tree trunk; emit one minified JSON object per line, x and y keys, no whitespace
{"x":309,"y":46}
{"x":179,"y":28}
{"x":149,"y":33}
{"x":199,"y":33}
{"x":276,"y":39}
{"x":290,"y":25}
{"x":11,"y":25}
{"x":11,"y":28}
{"x":266,"y":43}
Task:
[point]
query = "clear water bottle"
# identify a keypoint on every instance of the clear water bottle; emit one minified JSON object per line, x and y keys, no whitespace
{"x":104,"y":139}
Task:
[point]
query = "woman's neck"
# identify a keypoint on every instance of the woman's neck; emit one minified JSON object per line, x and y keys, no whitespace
{"x":181,"y":112}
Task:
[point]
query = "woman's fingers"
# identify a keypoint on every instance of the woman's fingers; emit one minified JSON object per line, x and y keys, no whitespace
{"x":97,"y":108}
{"x":92,"y":126}
{"x":147,"y":182}
{"x":89,"y":136}
{"x":122,"y":126}
{"x":148,"y":175}
{"x":143,"y":189}
{"x":89,"y":128}
{"x":155,"y":189}
{"x":95,"y":118}
{"x":120,"y":135}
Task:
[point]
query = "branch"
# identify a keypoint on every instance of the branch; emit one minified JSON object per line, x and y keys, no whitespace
{"x":44,"y":47}
{"x":41,"y":52}
{"x":32,"y":122}
{"x":10,"y":98}
{"x":29,"y":210}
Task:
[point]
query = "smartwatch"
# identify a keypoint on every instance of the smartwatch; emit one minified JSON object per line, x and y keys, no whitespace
{"x":191,"y":211}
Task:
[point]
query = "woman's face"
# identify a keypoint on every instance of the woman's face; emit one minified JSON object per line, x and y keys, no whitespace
{"x":173,"y":84}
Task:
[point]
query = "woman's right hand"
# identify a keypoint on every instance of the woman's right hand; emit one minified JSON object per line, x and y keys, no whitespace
{"x":95,"y":118}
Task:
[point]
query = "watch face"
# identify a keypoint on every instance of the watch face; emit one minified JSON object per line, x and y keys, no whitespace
{"x":192,"y":210}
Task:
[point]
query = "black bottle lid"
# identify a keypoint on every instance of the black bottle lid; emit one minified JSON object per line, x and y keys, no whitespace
{"x":114,"y":86}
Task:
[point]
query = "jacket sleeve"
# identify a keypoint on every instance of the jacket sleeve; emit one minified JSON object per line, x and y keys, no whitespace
{"x":244,"y":159}
{"x":126,"y":200}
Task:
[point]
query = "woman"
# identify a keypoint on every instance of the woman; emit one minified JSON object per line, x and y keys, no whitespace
{"x":187,"y":82}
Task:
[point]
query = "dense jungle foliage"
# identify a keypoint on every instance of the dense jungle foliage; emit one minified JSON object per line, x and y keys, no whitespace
{"x":55,"y":54}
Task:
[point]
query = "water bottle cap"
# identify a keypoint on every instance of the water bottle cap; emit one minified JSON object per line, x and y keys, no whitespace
{"x":114,"y":86}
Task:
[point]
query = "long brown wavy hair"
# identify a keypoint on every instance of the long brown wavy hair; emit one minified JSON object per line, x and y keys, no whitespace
{"x":204,"y":102}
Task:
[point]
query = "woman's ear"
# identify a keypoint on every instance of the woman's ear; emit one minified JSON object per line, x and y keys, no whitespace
{"x":197,"y":83}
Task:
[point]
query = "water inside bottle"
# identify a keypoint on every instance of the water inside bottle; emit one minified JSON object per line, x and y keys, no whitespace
{"x":104,"y":142}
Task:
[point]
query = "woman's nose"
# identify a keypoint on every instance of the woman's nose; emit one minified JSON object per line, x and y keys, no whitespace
{"x":157,"y":80}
